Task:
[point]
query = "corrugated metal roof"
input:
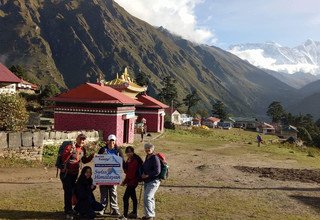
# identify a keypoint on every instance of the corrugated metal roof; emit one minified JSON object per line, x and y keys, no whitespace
{"x":151,"y":102}
{"x":94,"y":93}
{"x":6,"y":76}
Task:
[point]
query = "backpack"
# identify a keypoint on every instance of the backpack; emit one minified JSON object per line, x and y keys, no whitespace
{"x":139,"y":171}
{"x":164,"y":174}
{"x":59,"y":164}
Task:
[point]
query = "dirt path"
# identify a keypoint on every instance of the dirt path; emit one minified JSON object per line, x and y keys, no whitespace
{"x":197,"y":173}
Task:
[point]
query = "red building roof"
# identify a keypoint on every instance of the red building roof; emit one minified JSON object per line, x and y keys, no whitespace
{"x":150,"y":102}
{"x":6,"y":76}
{"x":94,"y":93}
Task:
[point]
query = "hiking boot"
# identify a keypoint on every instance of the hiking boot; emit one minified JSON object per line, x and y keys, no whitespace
{"x":115,"y":213}
{"x":133,"y":215}
{"x":122,"y":218}
{"x":101,"y":212}
{"x":69,"y":216}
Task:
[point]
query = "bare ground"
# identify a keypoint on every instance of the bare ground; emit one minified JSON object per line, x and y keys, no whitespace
{"x":205,"y":183}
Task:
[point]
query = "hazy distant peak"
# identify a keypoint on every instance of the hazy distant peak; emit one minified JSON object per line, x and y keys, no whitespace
{"x":270,"y":55}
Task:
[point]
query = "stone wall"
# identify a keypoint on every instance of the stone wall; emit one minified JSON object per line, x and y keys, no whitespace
{"x":29,"y":145}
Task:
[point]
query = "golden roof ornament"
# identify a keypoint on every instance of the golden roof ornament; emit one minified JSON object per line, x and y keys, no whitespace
{"x":125,"y":84}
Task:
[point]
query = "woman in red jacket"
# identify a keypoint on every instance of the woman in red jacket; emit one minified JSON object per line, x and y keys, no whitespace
{"x":131,"y":168}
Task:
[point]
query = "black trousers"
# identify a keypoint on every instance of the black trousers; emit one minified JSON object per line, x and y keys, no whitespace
{"x":130,"y":193}
{"x":69,"y":184}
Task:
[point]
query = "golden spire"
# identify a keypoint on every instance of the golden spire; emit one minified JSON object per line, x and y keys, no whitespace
{"x":125,"y":75}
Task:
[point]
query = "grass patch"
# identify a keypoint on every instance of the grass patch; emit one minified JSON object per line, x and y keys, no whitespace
{"x":223,"y":204}
{"x":18,"y":163}
{"x":50,"y":154}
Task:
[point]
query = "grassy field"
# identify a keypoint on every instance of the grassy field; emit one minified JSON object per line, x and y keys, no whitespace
{"x":203,"y":182}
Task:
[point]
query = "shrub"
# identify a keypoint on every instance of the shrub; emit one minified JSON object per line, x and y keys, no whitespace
{"x":169,"y":125}
{"x":13,"y":113}
{"x":304,"y":135}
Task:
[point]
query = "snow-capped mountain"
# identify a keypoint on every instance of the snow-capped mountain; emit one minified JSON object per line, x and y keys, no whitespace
{"x":304,"y":58}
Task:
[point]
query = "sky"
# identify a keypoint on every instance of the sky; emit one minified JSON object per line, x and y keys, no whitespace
{"x":227,"y":22}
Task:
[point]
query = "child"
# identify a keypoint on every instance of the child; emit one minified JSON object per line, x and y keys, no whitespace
{"x":86,"y":204}
{"x":131,"y":168}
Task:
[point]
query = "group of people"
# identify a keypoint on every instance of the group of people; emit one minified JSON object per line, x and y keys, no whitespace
{"x":78,"y":191}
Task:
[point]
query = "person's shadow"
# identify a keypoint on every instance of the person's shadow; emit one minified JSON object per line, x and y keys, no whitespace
{"x":312,"y":201}
{"x":20,"y":214}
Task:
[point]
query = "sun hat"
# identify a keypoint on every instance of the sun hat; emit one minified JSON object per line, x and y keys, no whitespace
{"x":112,"y":137}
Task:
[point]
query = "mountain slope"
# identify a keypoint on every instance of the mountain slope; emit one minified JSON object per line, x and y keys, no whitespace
{"x":74,"y":41}
{"x":308,"y":105}
{"x":21,"y":41}
{"x":295,"y":80}
{"x":309,"y":100}
{"x":310,"y":89}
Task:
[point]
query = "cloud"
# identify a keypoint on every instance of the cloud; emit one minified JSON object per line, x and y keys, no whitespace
{"x":177,"y":16}
{"x":256,"y":57}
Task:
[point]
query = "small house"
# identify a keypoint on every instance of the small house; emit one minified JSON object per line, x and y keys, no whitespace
{"x":227,"y":125}
{"x":26,"y":87}
{"x":186,"y":119}
{"x":250,"y":123}
{"x":211,"y":122}
{"x":289,"y":131}
{"x":8,"y":81}
{"x":196,"y":122}
{"x":265,"y":128}
{"x":174,"y":115}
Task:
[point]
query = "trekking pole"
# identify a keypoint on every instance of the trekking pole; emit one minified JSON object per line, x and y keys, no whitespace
{"x":57,"y":173}
{"x":140,"y":195}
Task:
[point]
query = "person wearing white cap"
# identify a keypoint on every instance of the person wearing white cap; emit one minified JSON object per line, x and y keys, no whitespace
{"x":107,"y":192}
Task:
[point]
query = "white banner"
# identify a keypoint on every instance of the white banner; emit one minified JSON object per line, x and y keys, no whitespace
{"x":107,"y":169}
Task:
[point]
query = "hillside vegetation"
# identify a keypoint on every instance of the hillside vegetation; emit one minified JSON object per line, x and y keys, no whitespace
{"x":74,"y":41}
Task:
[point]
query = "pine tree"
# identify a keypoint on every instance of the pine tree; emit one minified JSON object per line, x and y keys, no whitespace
{"x":168,"y":93}
{"x":275,"y":111}
{"x":142,"y":79}
{"x":49,"y":91}
{"x":219,"y":110}
{"x":191,"y":100}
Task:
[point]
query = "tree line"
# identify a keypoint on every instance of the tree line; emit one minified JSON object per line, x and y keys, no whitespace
{"x":309,"y":129}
